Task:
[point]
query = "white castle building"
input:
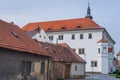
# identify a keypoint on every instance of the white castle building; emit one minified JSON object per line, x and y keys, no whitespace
{"x":88,"y":39}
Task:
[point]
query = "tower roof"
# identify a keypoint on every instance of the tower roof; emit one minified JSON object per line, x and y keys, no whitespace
{"x":89,"y":12}
{"x":102,"y":41}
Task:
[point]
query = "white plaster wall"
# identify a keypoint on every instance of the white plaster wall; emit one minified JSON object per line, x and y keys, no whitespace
{"x":90,"y":45}
{"x":118,"y":58}
{"x":105,"y":65}
{"x":40,"y":36}
{"x":80,"y":69}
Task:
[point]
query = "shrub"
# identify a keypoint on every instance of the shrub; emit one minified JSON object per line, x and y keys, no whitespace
{"x":117,"y":76}
{"x":116,"y":72}
{"x":60,"y":79}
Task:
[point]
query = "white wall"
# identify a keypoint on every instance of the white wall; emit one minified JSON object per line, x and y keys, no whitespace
{"x":118,"y":58}
{"x":80,"y":69}
{"x":40,"y":36}
{"x":90,"y":45}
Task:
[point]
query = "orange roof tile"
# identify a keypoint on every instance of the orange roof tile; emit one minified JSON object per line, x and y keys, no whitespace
{"x":102,"y":41}
{"x":12,"y":37}
{"x":60,"y":25}
{"x":110,"y":49}
{"x":118,"y":54}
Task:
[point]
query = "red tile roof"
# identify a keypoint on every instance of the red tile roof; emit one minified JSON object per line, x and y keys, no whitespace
{"x":73,"y":52}
{"x":60,"y":25}
{"x":102,"y":41}
{"x":61,"y":53}
{"x":118,"y":54}
{"x":12,"y":37}
{"x":110,"y":49}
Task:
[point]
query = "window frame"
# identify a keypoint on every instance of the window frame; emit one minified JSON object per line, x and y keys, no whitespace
{"x":42,"y":68}
{"x":94,"y":63}
{"x":50,"y":37}
{"x":73,"y":36}
{"x":90,"y":36}
{"x":27,"y":65}
{"x":76,"y":67}
{"x":81,"y":51}
{"x":60,"y":37}
{"x":99,"y":50}
{"x":81,"y":36}
{"x":105,"y":50}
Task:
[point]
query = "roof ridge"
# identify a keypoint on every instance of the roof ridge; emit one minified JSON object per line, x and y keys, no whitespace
{"x":57,"y":20}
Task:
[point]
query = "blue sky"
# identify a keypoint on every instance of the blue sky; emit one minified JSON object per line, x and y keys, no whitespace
{"x":105,"y":12}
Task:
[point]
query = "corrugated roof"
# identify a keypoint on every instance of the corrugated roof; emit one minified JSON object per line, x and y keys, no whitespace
{"x":61,"y":25}
{"x":12,"y":37}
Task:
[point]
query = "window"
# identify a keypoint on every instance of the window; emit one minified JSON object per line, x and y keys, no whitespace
{"x":104,"y":49}
{"x":26,"y":67}
{"x":42,"y":68}
{"x":40,"y":36}
{"x":49,"y":29}
{"x":60,"y":37}
{"x":98,"y":50}
{"x":90,"y":36}
{"x":74,"y":50}
{"x":81,"y":36}
{"x":81,"y":51}
{"x":63,"y":28}
{"x":51,"y":37}
{"x":78,"y":27}
{"x":44,"y":37}
{"x":93,"y":63}
{"x":75,"y":67}
{"x":73,"y":36}
{"x":15,"y":34}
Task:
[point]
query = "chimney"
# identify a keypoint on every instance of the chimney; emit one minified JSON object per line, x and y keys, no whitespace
{"x":12,"y":22}
{"x":37,"y":28}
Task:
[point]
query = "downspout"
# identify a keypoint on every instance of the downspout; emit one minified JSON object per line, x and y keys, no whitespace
{"x":47,"y":69}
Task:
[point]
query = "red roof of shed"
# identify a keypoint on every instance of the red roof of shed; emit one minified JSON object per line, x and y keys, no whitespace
{"x":12,"y":37}
{"x":61,"y":53}
{"x":118,"y":54}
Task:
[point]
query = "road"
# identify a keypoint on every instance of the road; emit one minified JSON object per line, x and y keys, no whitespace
{"x":100,"y":77}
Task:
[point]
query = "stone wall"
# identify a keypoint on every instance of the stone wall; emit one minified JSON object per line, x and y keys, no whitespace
{"x":11,"y":65}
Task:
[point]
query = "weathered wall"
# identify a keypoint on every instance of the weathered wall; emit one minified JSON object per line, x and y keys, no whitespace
{"x":58,"y":70}
{"x":11,"y":65}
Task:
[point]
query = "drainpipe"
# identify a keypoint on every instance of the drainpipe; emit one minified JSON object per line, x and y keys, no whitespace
{"x":47,"y":69}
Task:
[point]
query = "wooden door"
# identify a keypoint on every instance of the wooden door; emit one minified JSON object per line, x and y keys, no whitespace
{"x":67,"y":71}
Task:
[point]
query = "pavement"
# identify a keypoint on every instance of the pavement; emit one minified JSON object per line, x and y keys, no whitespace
{"x":100,"y":77}
{"x":97,"y":77}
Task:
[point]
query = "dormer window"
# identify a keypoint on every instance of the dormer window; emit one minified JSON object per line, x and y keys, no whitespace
{"x":49,"y":29}
{"x":63,"y":28}
{"x":78,"y":27}
{"x":15,"y":34}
